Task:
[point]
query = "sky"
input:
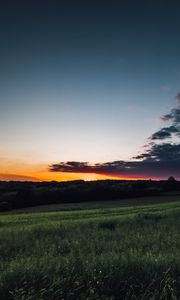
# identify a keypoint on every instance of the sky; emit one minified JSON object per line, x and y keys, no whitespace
{"x":89,"y":90}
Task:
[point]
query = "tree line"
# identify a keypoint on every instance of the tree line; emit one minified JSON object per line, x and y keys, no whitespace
{"x":23,"y":194}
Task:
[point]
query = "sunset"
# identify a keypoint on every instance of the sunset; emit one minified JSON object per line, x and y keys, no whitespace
{"x":89,"y":150}
{"x":86,"y":83}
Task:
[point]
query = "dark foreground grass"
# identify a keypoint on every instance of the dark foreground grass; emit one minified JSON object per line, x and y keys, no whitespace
{"x":122,"y":253}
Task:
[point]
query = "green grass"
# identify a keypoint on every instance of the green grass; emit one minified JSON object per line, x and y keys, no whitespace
{"x":110,"y":253}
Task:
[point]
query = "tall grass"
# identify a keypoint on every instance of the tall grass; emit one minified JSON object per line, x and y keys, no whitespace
{"x":123,"y":253}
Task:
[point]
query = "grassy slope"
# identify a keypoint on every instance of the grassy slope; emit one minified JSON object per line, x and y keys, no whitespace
{"x":110,"y":253}
{"x":167,"y":197}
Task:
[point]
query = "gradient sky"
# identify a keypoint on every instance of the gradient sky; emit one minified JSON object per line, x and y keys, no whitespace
{"x":84,"y":81}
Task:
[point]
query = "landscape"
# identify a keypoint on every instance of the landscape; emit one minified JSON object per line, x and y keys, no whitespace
{"x":89,"y":150}
{"x":124,"y":251}
{"x":121,"y":241}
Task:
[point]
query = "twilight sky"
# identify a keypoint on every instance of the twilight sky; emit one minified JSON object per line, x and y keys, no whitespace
{"x":84,"y":85}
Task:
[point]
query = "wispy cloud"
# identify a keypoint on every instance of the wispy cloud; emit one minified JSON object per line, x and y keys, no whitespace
{"x":15,"y":177}
{"x":165,"y":88}
{"x":173,"y":116}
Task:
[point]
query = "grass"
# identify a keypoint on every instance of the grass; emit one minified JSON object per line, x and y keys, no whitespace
{"x":108,"y":253}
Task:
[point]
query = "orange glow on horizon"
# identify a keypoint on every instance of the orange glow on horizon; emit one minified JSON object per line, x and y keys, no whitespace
{"x":28,"y":172}
{"x":59,"y":176}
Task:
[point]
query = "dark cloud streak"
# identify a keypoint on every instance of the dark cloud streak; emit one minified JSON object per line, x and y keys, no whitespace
{"x":146,"y":168}
{"x":164,"y":133}
{"x":158,"y":162}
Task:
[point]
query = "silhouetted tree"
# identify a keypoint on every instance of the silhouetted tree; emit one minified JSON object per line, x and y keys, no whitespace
{"x":171,"y":178}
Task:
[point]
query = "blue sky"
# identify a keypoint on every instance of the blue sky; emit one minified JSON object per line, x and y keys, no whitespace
{"x":84,"y":81}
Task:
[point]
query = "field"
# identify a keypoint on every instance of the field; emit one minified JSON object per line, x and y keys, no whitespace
{"x":166,"y":197}
{"x":130,"y":252}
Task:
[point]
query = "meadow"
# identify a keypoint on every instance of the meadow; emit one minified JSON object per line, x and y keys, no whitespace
{"x":128,"y":252}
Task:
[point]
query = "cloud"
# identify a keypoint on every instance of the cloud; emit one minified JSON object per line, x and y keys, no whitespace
{"x":166,"y":117}
{"x":164,"y":133}
{"x":15,"y":177}
{"x":134,"y":169}
{"x":165,"y":88}
{"x":162,"y":152}
{"x":177,"y":97}
{"x":159,"y":159}
{"x":174,"y":128}
{"x":85,"y":167}
{"x":173,"y":116}
{"x":176,"y":116}
{"x":70,"y":166}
